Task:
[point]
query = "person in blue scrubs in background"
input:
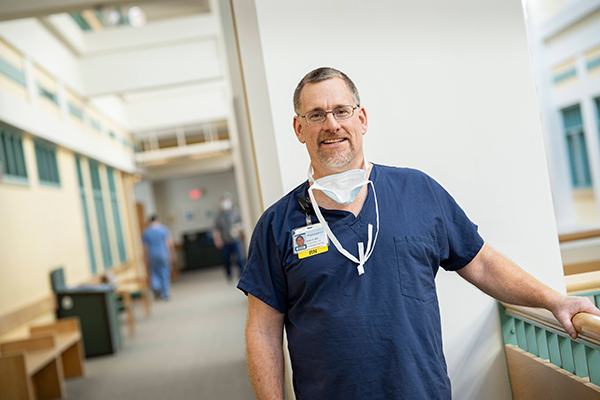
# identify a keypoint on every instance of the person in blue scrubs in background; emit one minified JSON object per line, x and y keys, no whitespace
{"x":359,"y":303}
{"x":159,"y":252}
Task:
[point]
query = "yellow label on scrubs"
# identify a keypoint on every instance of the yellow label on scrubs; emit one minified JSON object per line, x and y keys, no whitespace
{"x":312,"y":252}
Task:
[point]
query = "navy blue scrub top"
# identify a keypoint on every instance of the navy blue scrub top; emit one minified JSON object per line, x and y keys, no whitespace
{"x":377,"y":335}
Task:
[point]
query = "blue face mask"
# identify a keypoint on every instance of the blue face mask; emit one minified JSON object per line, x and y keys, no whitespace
{"x":341,"y":188}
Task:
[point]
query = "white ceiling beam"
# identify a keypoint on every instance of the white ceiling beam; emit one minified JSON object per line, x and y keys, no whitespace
{"x":153,"y":34}
{"x":145,"y":69}
{"x":193,"y":150}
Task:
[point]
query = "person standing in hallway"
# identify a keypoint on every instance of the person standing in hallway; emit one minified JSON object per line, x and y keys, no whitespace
{"x":159,"y":253}
{"x":347,"y":261}
{"x":227,"y":233}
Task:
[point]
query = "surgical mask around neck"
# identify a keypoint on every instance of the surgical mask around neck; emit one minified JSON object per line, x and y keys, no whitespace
{"x":363,"y":253}
{"x":343,"y":187}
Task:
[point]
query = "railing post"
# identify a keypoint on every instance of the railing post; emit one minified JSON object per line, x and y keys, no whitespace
{"x":593,"y":363}
{"x":566,"y":354}
{"x":553,"y":348}
{"x":508,"y":326}
{"x":542,"y":343}
{"x":521,"y":338}
{"x":579,"y":358}
{"x":531,"y":339}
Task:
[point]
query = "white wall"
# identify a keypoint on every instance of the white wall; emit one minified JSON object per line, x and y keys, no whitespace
{"x":176,"y":107}
{"x":29,"y":118}
{"x":144,"y":193}
{"x":111,"y":106}
{"x":448,"y":89}
{"x":173,"y":203}
{"x":144,"y":68}
{"x":239,"y":111}
{"x":30,"y":38}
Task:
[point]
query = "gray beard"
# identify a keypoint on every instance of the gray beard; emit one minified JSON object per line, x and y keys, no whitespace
{"x":336,"y":160}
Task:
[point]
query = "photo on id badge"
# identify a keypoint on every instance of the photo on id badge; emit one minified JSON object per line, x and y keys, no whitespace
{"x":309,"y":240}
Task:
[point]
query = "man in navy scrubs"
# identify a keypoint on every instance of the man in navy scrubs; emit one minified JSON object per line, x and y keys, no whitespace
{"x":359,"y":302}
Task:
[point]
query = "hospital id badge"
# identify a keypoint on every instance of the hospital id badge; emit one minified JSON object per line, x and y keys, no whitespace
{"x":309,"y":240}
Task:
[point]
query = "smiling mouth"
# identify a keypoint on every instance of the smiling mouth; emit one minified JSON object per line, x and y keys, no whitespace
{"x":332,"y":141}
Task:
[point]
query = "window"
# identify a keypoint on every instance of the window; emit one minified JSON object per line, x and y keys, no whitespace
{"x":12,"y":158}
{"x":86,"y":218}
{"x":565,"y":73}
{"x":47,"y":94}
{"x":592,"y":58}
{"x":100,"y":214}
{"x":75,"y":111}
{"x":95,"y":124}
{"x":578,"y":158}
{"x":46,"y":163}
{"x":116,"y":215}
{"x":11,"y":64}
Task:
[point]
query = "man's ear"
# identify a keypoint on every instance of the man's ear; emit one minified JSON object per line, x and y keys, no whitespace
{"x":362,"y":117}
{"x":298,"y":130}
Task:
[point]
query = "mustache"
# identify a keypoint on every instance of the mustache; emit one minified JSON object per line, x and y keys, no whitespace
{"x":333,"y":136}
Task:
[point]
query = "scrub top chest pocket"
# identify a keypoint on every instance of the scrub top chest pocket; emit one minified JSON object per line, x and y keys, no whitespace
{"x":417,"y":260}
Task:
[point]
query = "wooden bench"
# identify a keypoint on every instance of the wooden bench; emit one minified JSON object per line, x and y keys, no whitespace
{"x":36,"y":367}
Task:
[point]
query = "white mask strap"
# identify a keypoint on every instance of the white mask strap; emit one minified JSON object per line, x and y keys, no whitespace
{"x":370,"y":242}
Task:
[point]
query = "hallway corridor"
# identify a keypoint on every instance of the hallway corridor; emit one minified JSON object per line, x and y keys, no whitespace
{"x":192,"y":347}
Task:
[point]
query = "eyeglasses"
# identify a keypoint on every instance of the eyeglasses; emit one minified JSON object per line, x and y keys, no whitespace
{"x":319,"y":116}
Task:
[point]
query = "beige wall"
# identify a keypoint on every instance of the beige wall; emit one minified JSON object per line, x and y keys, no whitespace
{"x":42,"y":228}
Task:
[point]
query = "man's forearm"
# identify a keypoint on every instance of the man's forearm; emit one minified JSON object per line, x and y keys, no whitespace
{"x":502,"y":279}
{"x":265,"y":365}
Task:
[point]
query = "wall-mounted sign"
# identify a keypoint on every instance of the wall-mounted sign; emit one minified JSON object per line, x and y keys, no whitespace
{"x":190,"y":216}
{"x":195,"y":194}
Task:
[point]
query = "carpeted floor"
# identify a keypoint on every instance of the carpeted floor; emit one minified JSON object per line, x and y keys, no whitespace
{"x":192,"y":347}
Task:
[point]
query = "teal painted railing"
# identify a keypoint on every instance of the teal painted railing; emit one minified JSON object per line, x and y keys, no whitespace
{"x":593,"y":295}
{"x":537,"y":332}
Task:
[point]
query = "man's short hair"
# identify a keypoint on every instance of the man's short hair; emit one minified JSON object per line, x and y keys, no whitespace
{"x":322,"y":74}
{"x":153,"y":218}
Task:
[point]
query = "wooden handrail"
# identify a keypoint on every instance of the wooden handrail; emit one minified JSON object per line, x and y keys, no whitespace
{"x":581,"y":283}
{"x":569,"y":237}
{"x":587,"y":325}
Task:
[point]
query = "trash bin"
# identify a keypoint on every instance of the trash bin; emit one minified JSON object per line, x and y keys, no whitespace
{"x":200,"y":251}
{"x":96,"y":308}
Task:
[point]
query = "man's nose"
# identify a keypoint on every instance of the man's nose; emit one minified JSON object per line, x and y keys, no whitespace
{"x":330,"y":123}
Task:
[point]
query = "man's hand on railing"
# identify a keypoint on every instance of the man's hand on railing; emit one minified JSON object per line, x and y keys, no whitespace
{"x":502,"y":279}
{"x":567,"y":307}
